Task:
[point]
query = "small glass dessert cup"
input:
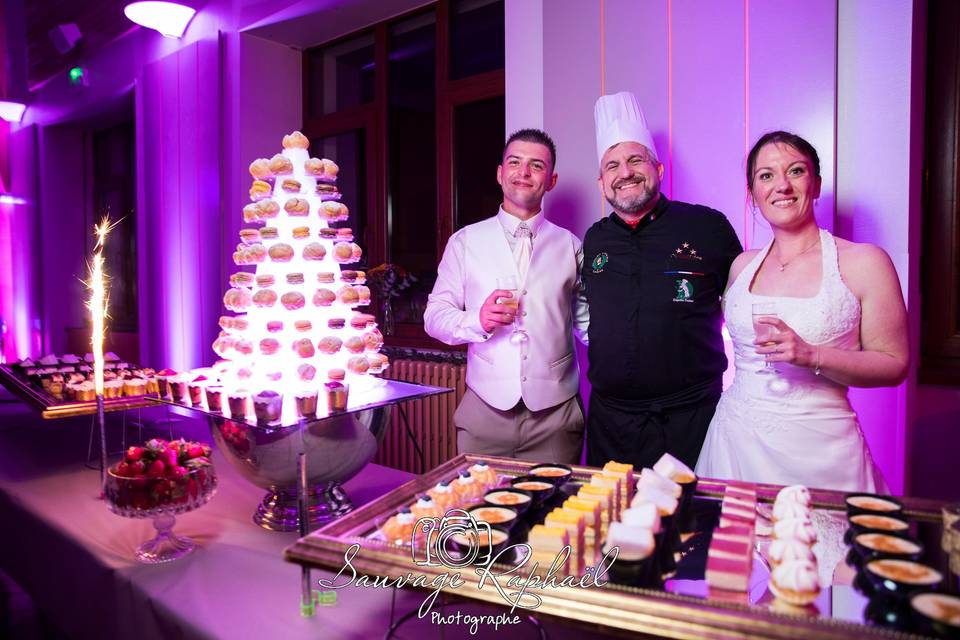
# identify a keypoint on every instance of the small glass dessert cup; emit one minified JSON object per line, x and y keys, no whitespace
{"x":516,"y":499}
{"x":540,"y":489}
{"x":880,"y":546}
{"x":161,"y":499}
{"x":499,"y":516}
{"x":870,"y":503}
{"x":555,"y":474}
{"x":936,"y":614}
{"x":306,"y":402}
{"x":337,"y":395}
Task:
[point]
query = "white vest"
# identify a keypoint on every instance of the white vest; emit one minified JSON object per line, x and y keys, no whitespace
{"x":496,"y":370}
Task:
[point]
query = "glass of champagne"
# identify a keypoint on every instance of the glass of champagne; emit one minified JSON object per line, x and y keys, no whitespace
{"x":509,"y":283}
{"x":765,"y":332}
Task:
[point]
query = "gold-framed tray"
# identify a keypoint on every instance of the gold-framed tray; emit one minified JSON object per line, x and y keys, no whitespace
{"x":52,"y":406}
{"x":356,"y":550}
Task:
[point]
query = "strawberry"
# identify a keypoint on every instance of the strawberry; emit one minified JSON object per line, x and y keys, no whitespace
{"x":196,"y":451}
{"x":134,"y":454}
{"x":123,"y":470}
{"x":156,"y":469}
{"x":140,"y":501}
{"x":169,"y":458}
{"x":176,"y":472}
{"x":192,"y":488}
{"x":138,"y":468}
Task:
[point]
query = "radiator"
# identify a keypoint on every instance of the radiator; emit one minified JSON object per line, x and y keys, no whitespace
{"x":431,"y":419}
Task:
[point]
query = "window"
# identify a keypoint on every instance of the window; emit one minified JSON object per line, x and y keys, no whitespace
{"x":412,"y":110}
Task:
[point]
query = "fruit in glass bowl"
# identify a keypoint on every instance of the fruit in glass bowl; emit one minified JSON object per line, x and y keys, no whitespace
{"x":160,"y":480}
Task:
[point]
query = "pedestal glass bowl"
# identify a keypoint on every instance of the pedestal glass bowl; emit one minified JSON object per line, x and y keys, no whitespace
{"x":161,"y":499}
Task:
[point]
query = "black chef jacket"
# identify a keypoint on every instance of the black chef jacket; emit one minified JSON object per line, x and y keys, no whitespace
{"x":656,"y":351}
{"x":654,"y":295}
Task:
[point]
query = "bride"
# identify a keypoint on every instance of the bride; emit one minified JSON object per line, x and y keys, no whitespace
{"x":809,"y":315}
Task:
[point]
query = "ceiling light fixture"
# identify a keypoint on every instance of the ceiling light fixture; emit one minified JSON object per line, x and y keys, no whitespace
{"x":169,"y":18}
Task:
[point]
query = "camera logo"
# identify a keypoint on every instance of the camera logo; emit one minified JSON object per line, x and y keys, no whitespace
{"x":470,"y":539}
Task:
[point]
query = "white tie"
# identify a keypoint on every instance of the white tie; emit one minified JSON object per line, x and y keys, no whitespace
{"x":521,"y":252}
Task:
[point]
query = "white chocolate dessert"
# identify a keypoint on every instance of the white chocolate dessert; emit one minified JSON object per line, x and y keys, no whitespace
{"x":649,"y":477}
{"x":671,"y":468}
{"x":644,"y":515}
{"x":633,"y":543}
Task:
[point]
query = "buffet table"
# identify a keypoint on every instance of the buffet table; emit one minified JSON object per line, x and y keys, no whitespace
{"x":75,"y":558}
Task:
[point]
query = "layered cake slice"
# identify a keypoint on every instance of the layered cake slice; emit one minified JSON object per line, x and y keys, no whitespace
{"x":625,"y":471}
{"x":605,"y":496}
{"x":574,"y":522}
{"x":546,"y":545}
{"x":593,"y":525}
{"x":619,"y":491}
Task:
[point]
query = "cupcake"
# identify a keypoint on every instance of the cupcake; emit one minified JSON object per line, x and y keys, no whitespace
{"x":443,"y":495}
{"x":484,"y":474}
{"x":796,"y":582}
{"x":426,"y":507}
{"x":399,"y":528}
{"x":467,"y":489}
{"x":267,"y":405}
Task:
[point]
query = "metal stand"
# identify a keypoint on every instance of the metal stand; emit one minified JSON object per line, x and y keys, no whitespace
{"x":280,"y":510}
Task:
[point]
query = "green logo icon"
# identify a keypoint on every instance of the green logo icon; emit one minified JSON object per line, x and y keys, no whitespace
{"x":600,"y":262}
{"x":684,"y":290}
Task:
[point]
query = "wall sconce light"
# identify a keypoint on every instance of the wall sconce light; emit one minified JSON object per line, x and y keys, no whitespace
{"x":12,"y":111}
{"x":169,"y":18}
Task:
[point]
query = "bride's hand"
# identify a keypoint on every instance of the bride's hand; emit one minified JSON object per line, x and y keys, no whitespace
{"x":785,"y":345}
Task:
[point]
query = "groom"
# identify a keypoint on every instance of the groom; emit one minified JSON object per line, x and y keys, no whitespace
{"x":653,"y":271}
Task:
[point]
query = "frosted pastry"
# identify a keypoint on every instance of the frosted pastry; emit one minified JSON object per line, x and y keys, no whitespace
{"x":304,"y":348}
{"x":484,"y":473}
{"x":795,"y":493}
{"x":399,"y":528}
{"x":787,"y":549}
{"x":296,"y":140}
{"x":796,"y":582}
{"x":237,"y":299}
{"x":348,"y":295}
{"x":292,"y":300}
{"x":280,"y":165}
{"x":290,"y":185}
{"x":354,"y":344}
{"x":644,"y":515}
{"x":358,"y":364}
{"x":787,"y":509}
{"x":333,"y":211}
{"x":268,"y":209}
{"x":281,"y":252}
{"x":296,"y":207}
{"x":260,"y":169}
{"x":265,"y":298}
{"x":426,"y":507}
{"x":314,"y":251}
{"x":466,"y":487}
{"x":443,"y":495}
{"x":800,"y":529}
{"x":324,"y":298}
{"x":329,"y":345}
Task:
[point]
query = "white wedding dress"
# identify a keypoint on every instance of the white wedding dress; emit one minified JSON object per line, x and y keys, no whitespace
{"x":791,"y":426}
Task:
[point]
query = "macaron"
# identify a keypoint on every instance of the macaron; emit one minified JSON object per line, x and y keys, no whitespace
{"x":294,"y":278}
{"x":303,"y":325}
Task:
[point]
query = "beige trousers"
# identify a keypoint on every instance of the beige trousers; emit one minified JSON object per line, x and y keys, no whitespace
{"x":550,"y":435}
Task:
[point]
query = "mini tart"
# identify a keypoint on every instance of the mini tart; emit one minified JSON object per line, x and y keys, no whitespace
{"x":280,"y":165}
{"x":314,"y":251}
{"x":296,"y":207}
{"x":324,"y":297}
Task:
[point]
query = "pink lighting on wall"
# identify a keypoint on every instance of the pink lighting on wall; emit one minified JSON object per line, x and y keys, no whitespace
{"x":12,"y":111}
{"x":169,"y":18}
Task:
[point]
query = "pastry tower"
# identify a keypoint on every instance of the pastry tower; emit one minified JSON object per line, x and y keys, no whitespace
{"x":294,"y":328}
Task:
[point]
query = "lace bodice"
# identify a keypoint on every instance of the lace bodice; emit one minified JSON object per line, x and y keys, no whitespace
{"x":830,"y":318}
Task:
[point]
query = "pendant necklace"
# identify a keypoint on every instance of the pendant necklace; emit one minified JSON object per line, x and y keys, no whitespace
{"x":783,"y":265}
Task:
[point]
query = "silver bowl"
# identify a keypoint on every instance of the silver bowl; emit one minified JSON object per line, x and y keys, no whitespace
{"x":337,"y":448}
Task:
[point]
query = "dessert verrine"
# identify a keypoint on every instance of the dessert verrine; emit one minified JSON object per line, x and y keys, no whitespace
{"x":866,"y":523}
{"x":875,"y":546}
{"x":556,"y":474}
{"x":538,"y":488}
{"x":868,"y":503}
{"x":899,"y":578}
{"x":516,"y":498}
{"x":939,"y":613}
{"x":503,"y":516}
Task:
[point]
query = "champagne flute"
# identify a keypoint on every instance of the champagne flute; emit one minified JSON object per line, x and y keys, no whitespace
{"x":509,"y":283}
{"x":765,"y":332}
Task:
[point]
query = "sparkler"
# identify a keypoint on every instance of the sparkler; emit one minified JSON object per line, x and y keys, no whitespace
{"x":98,"y":315}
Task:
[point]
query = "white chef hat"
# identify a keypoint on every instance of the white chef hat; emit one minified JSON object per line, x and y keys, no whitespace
{"x":619,"y":118}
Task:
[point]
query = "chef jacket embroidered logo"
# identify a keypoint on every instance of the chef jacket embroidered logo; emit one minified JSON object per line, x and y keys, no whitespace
{"x":686,"y":252}
{"x":600,"y":262}
{"x":684,"y":290}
